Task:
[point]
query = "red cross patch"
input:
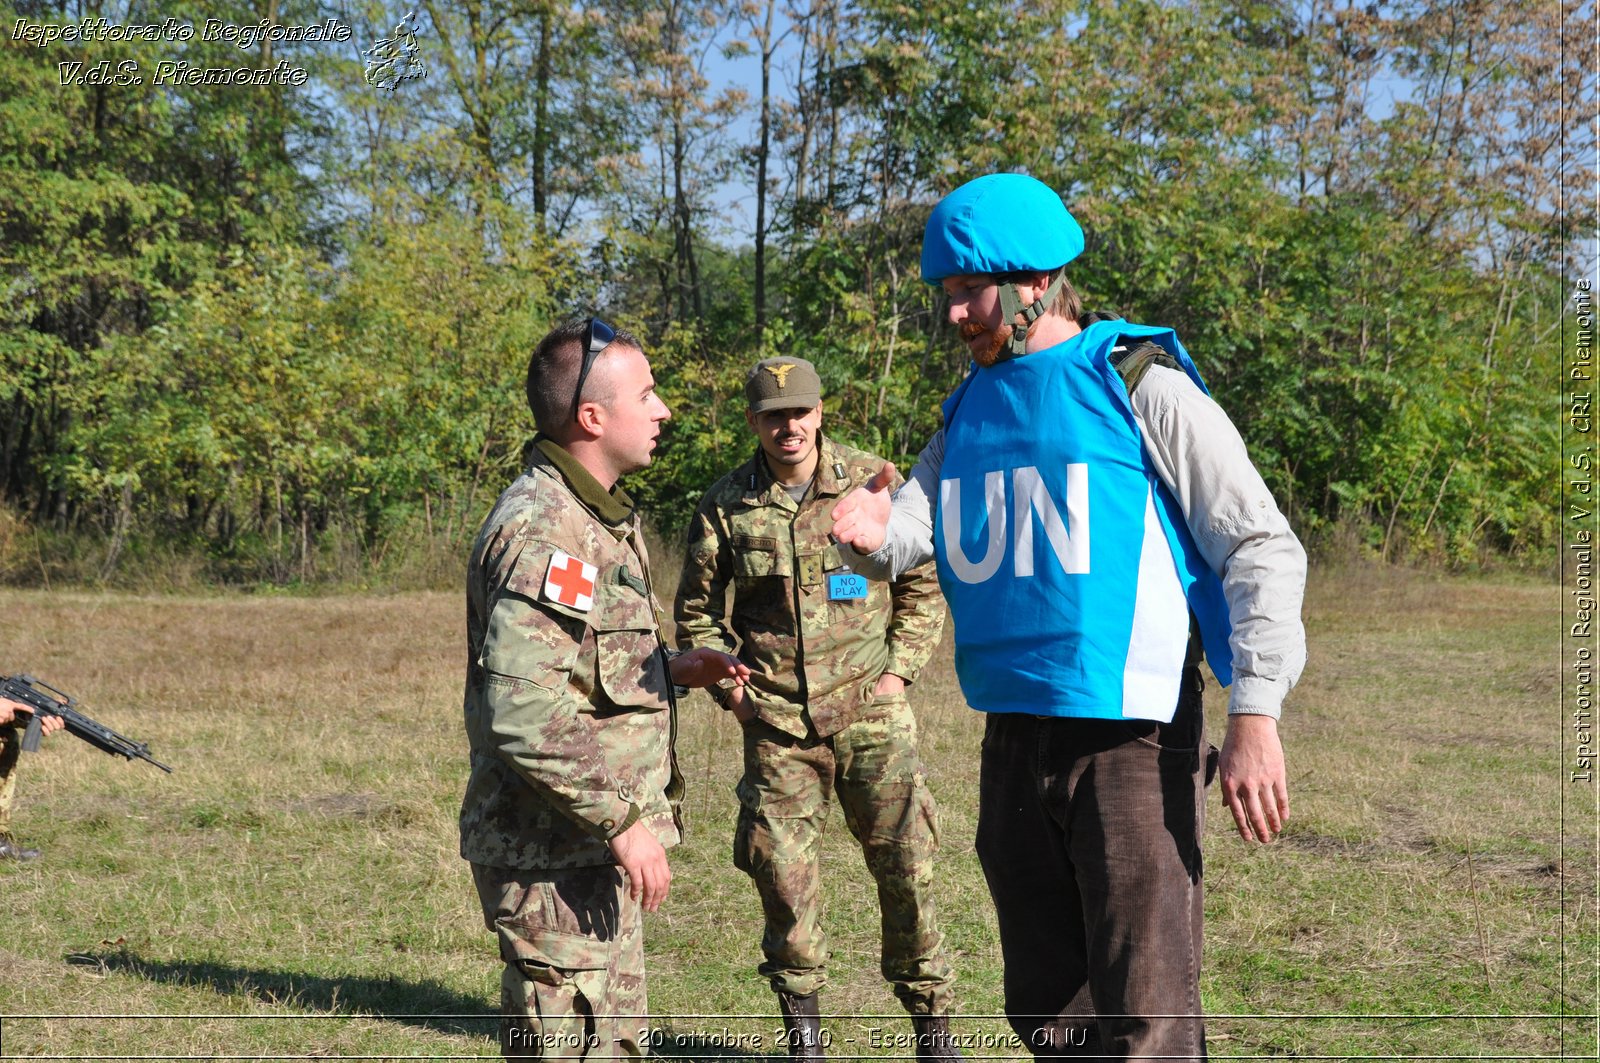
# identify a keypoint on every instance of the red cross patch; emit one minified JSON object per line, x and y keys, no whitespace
{"x":570,"y":582}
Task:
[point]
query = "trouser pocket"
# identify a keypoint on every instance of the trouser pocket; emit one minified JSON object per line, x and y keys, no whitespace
{"x":573,"y":982}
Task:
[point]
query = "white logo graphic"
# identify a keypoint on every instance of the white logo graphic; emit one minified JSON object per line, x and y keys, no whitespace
{"x":1069,"y":539}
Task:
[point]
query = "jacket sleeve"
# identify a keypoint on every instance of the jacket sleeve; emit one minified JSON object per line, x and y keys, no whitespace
{"x":700,"y":609}
{"x":909,"y":537}
{"x":529,"y":651}
{"x":1198,"y":454}
{"x":916,"y":622}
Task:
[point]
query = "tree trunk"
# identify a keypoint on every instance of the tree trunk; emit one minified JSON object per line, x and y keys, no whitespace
{"x":541,"y":120}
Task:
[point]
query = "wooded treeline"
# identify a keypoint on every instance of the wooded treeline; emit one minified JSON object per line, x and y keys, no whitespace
{"x":283,"y":330}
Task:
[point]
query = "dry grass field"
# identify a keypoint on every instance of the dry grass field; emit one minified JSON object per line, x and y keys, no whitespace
{"x":293,"y":889}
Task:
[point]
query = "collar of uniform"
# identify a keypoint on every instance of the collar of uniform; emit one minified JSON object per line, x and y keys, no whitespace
{"x":833,"y":477}
{"x":761,"y":487}
{"x":614,"y":507}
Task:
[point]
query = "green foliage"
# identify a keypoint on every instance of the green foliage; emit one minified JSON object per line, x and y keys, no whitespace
{"x":284,"y":330}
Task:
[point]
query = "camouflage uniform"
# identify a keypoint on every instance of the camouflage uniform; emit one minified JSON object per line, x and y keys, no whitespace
{"x":819,"y":729}
{"x":571,"y":726}
{"x":10,"y":757}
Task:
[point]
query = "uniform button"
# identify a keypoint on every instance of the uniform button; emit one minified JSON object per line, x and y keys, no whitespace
{"x":608,"y":824}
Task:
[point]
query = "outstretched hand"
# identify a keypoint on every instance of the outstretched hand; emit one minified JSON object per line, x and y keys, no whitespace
{"x":861,"y":519}
{"x":703,"y":666}
{"x":1255,"y":785}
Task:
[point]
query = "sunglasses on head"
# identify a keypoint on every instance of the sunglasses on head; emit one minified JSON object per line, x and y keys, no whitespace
{"x":597,"y":336}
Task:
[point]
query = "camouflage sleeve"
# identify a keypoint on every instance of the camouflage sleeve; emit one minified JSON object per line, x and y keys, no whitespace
{"x":701,"y":606}
{"x":916,"y":622}
{"x":534,"y":719}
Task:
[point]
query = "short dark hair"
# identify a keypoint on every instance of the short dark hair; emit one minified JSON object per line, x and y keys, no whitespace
{"x":553,"y":373}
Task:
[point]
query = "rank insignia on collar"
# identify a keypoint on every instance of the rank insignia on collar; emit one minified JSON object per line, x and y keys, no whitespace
{"x":570,"y":582}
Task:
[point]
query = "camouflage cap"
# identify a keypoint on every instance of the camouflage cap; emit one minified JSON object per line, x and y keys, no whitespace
{"x":783,"y":384}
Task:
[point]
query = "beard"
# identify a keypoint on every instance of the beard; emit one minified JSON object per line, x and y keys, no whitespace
{"x":999,"y":339}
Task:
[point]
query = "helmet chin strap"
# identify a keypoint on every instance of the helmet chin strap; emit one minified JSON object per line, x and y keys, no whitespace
{"x":1011,"y":306}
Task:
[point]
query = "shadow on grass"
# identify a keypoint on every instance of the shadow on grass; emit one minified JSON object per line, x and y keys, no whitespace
{"x":426,"y":1004}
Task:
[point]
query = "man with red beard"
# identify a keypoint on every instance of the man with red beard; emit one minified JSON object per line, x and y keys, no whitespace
{"x":1097,"y":525}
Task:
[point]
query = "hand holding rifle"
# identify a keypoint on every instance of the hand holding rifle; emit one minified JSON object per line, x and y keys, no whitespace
{"x":50,"y":709}
{"x":9,"y":710}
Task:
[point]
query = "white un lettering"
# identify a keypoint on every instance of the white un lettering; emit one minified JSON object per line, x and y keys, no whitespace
{"x":1069,"y":539}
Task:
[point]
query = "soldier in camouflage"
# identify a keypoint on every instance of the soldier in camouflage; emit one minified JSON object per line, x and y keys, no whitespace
{"x":14,"y":716}
{"x":574,"y":789}
{"x":825,"y":710}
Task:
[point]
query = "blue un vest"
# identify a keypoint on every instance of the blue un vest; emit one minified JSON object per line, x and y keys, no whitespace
{"x":1067,"y":564}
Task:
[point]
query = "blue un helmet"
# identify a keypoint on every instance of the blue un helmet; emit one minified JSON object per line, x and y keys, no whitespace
{"x":1002,"y":223}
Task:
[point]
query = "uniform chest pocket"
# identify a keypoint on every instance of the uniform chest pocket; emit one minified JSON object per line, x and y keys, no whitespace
{"x":854,"y":600}
{"x":755,"y":556}
{"x":628,"y":664}
{"x":846,"y":590}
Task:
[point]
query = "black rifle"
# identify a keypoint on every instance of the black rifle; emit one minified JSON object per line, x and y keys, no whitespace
{"x":37,"y":696}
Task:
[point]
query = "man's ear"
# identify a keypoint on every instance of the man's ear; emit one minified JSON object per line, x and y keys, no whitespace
{"x":592,"y":418}
{"x":1033,"y":288}
{"x":750,"y":419}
